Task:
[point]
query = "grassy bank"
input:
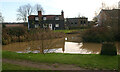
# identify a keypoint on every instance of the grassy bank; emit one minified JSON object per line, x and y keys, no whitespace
{"x":91,"y":61}
{"x":69,"y":31}
{"x":64,"y":31}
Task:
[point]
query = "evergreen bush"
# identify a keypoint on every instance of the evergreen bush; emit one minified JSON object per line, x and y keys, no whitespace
{"x":108,"y":48}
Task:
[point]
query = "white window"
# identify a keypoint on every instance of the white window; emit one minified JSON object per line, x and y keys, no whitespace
{"x":56,"y":18}
{"x":36,"y":26}
{"x":36,"y":18}
{"x":44,"y":18}
{"x":56,"y":25}
{"x":44,"y":25}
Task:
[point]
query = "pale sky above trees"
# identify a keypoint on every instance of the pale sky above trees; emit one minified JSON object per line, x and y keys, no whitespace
{"x":71,"y":8}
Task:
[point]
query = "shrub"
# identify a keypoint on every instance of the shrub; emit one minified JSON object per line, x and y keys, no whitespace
{"x":108,"y":49}
{"x":14,"y":38}
{"x":20,"y":34}
{"x":13,"y":34}
{"x":6,"y":39}
{"x":17,"y":31}
{"x":98,"y":34}
{"x":117,"y":36}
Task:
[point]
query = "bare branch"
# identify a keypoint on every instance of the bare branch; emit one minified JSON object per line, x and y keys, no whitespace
{"x":23,"y":12}
{"x":1,"y":18}
{"x":37,"y":8}
{"x":28,"y":9}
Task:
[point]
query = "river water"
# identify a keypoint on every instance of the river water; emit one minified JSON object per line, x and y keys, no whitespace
{"x":61,"y":45}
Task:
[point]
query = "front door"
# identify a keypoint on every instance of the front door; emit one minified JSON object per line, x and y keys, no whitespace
{"x":50,"y":26}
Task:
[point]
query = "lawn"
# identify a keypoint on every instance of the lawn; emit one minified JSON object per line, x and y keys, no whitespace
{"x":64,"y":31}
{"x":69,"y":31}
{"x":90,"y":61}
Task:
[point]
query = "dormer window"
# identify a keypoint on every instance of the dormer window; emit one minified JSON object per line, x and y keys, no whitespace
{"x":56,"y":18}
{"x":36,"y":18}
{"x":44,"y":18}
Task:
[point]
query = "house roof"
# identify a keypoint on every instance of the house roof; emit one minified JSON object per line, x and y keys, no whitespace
{"x":52,"y":17}
{"x":31,"y":17}
{"x":78,"y":18}
{"x":48,"y":17}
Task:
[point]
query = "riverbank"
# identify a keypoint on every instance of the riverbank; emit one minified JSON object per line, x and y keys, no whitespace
{"x":85,"y":61}
{"x":21,"y":34}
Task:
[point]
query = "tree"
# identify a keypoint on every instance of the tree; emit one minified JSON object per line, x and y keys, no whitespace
{"x":104,"y":6}
{"x":1,"y":18}
{"x":24,"y":11}
{"x":29,"y":9}
{"x":37,"y":8}
{"x":95,"y":18}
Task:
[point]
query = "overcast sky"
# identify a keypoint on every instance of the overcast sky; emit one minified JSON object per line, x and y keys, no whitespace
{"x":71,"y":8}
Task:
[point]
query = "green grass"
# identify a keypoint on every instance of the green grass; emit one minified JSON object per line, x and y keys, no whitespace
{"x":90,"y":61}
{"x":9,"y":66}
{"x":69,"y":31}
{"x":64,"y":31}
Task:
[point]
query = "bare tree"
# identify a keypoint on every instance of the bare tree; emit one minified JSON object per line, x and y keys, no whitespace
{"x":23,"y":12}
{"x":29,"y":9}
{"x":37,"y":8}
{"x":26,"y":10}
{"x":104,"y":6}
{"x":1,"y":18}
{"x":95,"y":18}
{"x":79,"y":21}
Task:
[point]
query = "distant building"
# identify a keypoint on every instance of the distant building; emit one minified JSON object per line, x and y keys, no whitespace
{"x":76,"y":22}
{"x":108,"y":17}
{"x":53,"y":22}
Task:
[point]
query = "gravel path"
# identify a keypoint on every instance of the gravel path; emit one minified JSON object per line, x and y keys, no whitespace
{"x":45,"y":66}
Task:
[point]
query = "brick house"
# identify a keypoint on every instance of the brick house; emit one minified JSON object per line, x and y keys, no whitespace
{"x":53,"y":22}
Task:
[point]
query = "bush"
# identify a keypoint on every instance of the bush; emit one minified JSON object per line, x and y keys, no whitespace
{"x":6,"y":39}
{"x":17,"y":31}
{"x":117,"y":36}
{"x":20,"y":34}
{"x":108,"y":49}
{"x":98,"y":34}
{"x":13,"y":34}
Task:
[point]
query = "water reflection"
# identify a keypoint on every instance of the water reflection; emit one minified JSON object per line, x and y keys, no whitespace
{"x":61,"y":45}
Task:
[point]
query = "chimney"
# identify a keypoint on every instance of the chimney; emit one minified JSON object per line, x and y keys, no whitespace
{"x":39,"y":13}
{"x":62,"y":13}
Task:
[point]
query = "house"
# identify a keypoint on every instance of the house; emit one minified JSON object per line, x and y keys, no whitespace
{"x":76,"y":22}
{"x":53,"y":22}
{"x":108,"y":17}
